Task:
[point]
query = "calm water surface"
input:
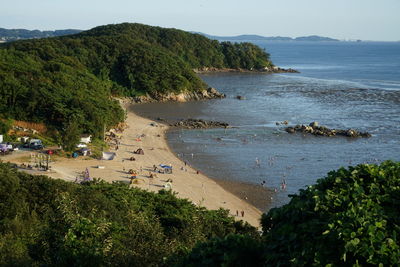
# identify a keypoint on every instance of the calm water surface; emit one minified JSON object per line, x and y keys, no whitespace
{"x":341,"y":85}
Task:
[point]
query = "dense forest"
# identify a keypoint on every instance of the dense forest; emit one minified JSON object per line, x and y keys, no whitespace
{"x":351,"y":217}
{"x":70,"y":82}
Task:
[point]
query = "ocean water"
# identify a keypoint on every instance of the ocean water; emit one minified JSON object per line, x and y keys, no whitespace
{"x":341,"y":85}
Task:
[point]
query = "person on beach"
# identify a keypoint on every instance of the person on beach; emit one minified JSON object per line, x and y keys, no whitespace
{"x":242,"y":213}
{"x":237,"y":213}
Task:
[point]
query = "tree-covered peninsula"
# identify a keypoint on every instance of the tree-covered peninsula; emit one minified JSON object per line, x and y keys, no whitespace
{"x":70,"y":82}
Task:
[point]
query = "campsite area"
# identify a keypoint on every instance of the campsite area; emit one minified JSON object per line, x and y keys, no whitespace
{"x":170,"y":173}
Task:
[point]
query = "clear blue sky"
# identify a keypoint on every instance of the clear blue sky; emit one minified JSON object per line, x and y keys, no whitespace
{"x":343,"y":19}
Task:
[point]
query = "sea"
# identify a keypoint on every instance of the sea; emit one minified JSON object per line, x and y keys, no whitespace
{"x":340,"y":85}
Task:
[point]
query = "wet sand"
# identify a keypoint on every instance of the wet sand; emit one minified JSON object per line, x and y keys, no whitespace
{"x":256,"y":195}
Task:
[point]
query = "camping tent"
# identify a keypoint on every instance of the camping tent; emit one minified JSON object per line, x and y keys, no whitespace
{"x":108,"y":155}
{"x":167,"y":168}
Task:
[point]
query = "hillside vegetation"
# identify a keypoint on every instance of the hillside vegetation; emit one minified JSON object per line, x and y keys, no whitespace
{"x":47,"y":222}
{"x":349,"y":218}
{"x":70,"y":80}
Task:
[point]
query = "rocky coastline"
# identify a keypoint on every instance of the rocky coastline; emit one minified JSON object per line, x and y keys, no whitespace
{"x":269,"y":70}
{"x":199,"y":124}
{"x":314,"y":129}
{"x":209,"y":93}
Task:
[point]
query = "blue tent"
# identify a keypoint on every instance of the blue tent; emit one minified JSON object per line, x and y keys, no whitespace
{"x":165,"y":166}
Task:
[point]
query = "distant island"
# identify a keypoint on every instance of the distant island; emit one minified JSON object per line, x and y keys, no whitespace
{"x":252,"y":37}
{"x":9,"y":35}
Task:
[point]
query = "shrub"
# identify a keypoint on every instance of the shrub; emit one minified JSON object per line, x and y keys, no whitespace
{"x":351,"y":217}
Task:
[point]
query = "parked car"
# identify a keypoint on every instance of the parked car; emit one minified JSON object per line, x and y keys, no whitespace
{"x":36,"y":144}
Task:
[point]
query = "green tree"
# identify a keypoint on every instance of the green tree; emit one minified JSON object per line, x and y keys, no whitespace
{"x":71,"y":135}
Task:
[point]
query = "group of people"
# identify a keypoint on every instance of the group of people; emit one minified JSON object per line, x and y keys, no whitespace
{"x":241,"y":213}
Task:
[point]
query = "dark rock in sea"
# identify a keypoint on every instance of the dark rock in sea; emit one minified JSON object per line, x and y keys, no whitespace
{"x":240,"y":97}
{"x":315,"y":129}
{"x":273,"y":69}
{"x":290,"y":130}
{"x":276,"y":69}
{"x":199,"y":124}
{"x":282,"y":122}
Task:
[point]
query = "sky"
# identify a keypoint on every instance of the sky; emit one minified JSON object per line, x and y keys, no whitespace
{"x":342,"y":19}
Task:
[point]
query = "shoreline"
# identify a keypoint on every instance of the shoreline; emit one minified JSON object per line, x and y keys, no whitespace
{"x":220,"y":196}
{"x":186,"y":182}
{"x":255,"y":195}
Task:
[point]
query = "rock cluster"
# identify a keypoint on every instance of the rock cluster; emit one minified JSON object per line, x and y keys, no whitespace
{"x":315,"y":129}
{"x":199,"y":124}
{"x":273,"y":69}
{"x":209,"y":93}
{"x":276,"y":69}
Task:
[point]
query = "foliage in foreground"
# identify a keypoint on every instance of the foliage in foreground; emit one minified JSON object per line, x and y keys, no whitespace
{"x":52,"y":222}
{"x":351,"y":218}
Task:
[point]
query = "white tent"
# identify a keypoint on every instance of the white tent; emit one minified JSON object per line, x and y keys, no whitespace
{"x":108,"y":155}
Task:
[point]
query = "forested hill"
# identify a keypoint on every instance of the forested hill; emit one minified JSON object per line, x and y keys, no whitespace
{"x":67,"y":81}
{"x":195,"y":49}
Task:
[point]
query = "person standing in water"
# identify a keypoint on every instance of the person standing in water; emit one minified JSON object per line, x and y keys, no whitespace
{"x":258,"y":163}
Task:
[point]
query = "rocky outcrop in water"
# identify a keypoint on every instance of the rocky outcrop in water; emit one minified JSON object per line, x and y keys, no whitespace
{"x":199,"y":124}
{"x":315,"y":129}
{"x":279,"y":70}
{"x":210,"y":93}
{"x":273,"y":69}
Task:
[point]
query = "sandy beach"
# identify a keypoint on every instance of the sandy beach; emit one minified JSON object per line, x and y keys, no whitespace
{"x":186,"y":181}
